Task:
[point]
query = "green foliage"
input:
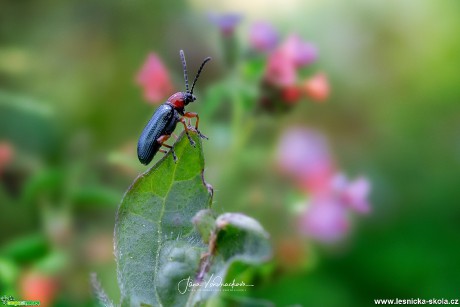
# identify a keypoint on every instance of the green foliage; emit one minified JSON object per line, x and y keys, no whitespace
{"x":9,"y":272}
{"x":26,"y":249}
{"x":236,"y":240}
{"x":43,"y":185}
{"x":156,"y":244}
{"x":67,"y":70}
{"x":89,"y":196}
{"x":28,"y":123}
{"x":205,"y":223}
{"x":158,"y":249}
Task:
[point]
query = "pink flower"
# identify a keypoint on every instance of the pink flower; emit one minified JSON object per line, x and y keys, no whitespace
{"x":325,"y":220}
{"x":326,"y":216}
{"x":6,"y":154}
{"x":284,"y":62}
{"x":352,"y":194}
{"x":317,"y":87}
{"x":226,"y":22}
{"x":280,"y":70}
{"x":154,"y":79}
{"x":301,"y":53}
{"x":304,"y":155}
{"x":263,"y":36}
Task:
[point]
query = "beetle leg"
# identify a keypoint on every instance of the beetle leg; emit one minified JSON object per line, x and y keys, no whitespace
{"x":162,"y":139}
{"x":175,"y":136}
{"x":191,"y":115}
{"x":183,"y":121}
{"x":172,"y":151}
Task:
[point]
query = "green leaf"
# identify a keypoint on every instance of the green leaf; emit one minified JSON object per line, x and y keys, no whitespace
{"x":236,"y":239}
{"x":26,"y":249}
{"x":95,"y":196}
{"x":9,"y":271}
{"x":253,"y":69}
{"x":44,"y":184}
{"x":156,"y":244}
{"x":205,"y":223}
{"x":216,"y":98}
{"x":158,"y":250}
{"x":28,"y":124}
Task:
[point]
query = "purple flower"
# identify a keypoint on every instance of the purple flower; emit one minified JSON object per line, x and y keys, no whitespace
{"x":325,"y":220}
{"x":354,"y":193}
{"x":263,"y":36}
{"x":304,"y":155}
{"x":225,"y":22}
{"x":301,"y":53}
{"x":326,"y":215}
{"x":154,"y":79}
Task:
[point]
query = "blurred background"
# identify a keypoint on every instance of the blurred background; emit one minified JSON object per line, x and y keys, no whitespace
{"x":335,"y":124}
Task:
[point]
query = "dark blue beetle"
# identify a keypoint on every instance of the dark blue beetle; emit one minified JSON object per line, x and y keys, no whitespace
{"x":164,"y":120}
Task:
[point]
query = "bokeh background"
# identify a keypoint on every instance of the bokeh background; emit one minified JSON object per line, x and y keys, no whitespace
{"x":71,"y":111}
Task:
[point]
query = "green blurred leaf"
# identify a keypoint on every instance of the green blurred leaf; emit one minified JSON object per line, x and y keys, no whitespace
{"x":8,"y":272}
{"x":87,"y":197}
{"x":28,"y":124}
{"x":25,"y":104}
{"x":156,"y":243}
{"x":43,"y":184}
{"x":26,"y":249}
{"x":216,"y":97}
{"x":253,"y":69}
{"x":53,"y":262}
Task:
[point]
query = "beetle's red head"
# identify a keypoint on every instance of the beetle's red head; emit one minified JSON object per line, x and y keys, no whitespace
{"x":180,"y":99}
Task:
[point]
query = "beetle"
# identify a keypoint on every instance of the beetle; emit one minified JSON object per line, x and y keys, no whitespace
{"x":164,"y":120}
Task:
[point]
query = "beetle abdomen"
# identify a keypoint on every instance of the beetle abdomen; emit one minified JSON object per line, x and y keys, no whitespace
{"x":146,"y":154}
{"x":148,"y":145}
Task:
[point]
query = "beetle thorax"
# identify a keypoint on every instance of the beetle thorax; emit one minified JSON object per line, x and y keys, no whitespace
{"x":177,"y":100}
{"x":180,"y":99}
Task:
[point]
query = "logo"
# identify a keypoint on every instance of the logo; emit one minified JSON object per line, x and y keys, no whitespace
{"x":214,"y":283}
{"x":8,"y":300}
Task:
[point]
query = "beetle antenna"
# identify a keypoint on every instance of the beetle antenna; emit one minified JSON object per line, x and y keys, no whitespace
{"x":199,"y":72}
{"x":184,"y":66}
